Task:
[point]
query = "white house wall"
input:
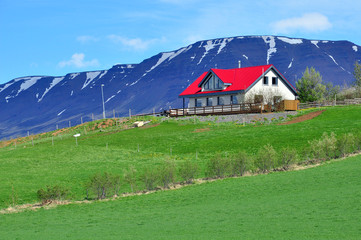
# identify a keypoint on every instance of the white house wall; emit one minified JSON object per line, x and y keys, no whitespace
{"x":280,"y":89}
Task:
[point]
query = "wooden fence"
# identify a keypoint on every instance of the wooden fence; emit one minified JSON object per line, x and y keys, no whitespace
{"x":329,"y":103}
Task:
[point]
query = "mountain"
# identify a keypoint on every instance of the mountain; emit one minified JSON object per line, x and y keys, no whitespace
{"x":42,"y":103}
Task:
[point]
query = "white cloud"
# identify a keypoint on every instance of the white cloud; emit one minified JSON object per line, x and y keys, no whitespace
{"x":309,"y":22}
{"x":85,"y":39}
{"x":135,"y":43}
{"x":77,"y":60}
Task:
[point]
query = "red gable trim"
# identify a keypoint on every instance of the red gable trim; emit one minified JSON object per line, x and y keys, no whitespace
{"x":240,"y":79}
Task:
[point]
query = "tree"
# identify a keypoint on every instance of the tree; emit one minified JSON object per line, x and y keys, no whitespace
{"x":310,"y":87}
{"x":357,"y":75}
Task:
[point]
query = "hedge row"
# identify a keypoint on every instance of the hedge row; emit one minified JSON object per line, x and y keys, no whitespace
{"x":100,"y":186}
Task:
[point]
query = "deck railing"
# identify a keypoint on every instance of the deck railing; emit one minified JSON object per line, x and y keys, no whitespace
{"x":218,"y":110}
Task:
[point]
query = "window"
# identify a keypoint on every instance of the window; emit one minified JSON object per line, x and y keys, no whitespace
{"x":265,"y":80}
{"x":234,"y":99}
{"x":274,"y":81}
{"x":198,"y":102}
{"x":258,"y":98}
{"x":209,"y":102}
{"x":218,"y":84}
{"x":213,"y":83}
{"x":220,"y":101}
{"x":277,"y":99}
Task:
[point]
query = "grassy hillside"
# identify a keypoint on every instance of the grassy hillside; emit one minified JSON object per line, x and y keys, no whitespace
{"x":27,"y":168}
{"x":317,"y":203}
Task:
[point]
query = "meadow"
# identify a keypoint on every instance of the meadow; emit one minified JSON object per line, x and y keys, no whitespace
{"x":27,"y":168}
{"x":317,"y":203}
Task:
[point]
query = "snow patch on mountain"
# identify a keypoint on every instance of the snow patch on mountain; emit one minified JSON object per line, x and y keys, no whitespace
{"x":101,"y":75}
{"x":61,"y":112}
{"x":270,"y":40}
{"x":52,"y":84}
{"x":315,"y":43}
{"x":245,"y":56}
{"x":109,"y":99}
{"x":332,"y":59}
{"x":212,"y":44}
{"x":223,"y":44}
{"x":290,"y":40}
{"x":180,"y":51}
{"x":290,"y":65}
{"x":28,"y":82}
{"x":164,"y":57}
{"x":90,"y":76}
{"x":354,"y":48}
{"x":74,"y":75}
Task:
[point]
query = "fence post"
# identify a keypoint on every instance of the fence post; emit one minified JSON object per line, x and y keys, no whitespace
{"x":130,"y":113}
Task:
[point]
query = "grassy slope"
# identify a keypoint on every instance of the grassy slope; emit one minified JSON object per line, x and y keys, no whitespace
{"x":31,"y":168}
{"x":318,"y":203}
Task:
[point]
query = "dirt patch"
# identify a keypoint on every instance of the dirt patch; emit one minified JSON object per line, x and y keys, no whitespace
{"x":201,"y":130}
{"x":305,"y":117}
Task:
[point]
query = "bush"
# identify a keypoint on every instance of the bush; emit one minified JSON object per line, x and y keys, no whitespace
{"x":239,"y":164}
{"x":52,"y":193}
{"x":217,"y":167}
{"x":357,"y":142}
{"x":345,"y":145}
{"x":265,"y":158}
{"x":103,"y":185}
{"x":167,"y":173}
{"x":328,"y":143}
{"x":188,"y":171}
{"x":287,"y":157}
{"x":150,"y":178}
{"x":130,"y":177}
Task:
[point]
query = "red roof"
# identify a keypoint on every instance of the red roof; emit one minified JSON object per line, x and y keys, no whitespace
{"x":239,"y":78}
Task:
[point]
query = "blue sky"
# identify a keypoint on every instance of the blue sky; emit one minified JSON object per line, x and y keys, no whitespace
{"x":46,"y":37}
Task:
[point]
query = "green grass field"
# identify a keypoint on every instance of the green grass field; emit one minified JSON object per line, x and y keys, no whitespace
{"x":28,"y":169}
{"x":318,"y":203}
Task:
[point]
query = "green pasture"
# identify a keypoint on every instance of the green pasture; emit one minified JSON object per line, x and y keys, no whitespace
{"x":27,"y":168}
{"x":323,"y":202}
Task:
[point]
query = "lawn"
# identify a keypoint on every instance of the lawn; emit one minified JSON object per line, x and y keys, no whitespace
{"x":318,"y":203}
{"x":29,"y":168}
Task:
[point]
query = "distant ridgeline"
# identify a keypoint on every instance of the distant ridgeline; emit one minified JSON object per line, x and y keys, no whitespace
{"x":42,"y":103}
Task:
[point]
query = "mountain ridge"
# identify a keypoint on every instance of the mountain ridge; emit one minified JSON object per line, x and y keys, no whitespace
{"x":40,"y":103}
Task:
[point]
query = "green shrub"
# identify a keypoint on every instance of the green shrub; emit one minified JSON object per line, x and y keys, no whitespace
{"x":357,"y":142}
{"x":316,"y":151}
{"x":130,"y":177}
{"x":328,"y":143}
{"x":167,"y":173}
{"x":217,"y":167}
{"x":103,"y":185}
{"x":188,"y":171}
{"x":150,"y":178}
{"x":287,"y":157}
{"x":239,"y":164}
{"x":265,"y":158}
{"x":345,"y":145}
{"x":52,"y":193}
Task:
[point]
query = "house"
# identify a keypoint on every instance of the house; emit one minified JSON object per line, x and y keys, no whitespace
{"x":258,"y":84}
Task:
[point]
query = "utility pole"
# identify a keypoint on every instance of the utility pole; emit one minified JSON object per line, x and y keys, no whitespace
{"x":101,"y":86}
